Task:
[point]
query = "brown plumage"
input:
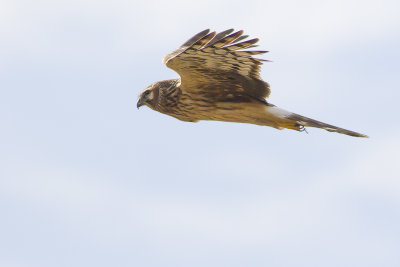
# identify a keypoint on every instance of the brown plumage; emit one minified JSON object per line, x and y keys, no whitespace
{"x":221,"y":81}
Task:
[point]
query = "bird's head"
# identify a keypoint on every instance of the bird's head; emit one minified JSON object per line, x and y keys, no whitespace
{"x":152,"y":96}
{"x":149,"y":96}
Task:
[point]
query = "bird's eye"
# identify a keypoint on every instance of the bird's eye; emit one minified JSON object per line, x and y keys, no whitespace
{"x":146,"y":93}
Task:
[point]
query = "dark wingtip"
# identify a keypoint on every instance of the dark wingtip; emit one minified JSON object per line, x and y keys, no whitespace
{"x":196,"y":37}
{"x":219,"y":36}
{"x":228,"y":31}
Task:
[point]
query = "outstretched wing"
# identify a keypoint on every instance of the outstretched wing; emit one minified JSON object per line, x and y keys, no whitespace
{"x":210,"y":62}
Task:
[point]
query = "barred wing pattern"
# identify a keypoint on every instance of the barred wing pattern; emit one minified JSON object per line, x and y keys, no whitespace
{"x":217,"y":62}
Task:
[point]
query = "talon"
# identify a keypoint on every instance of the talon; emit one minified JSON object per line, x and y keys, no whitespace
{"x":303,"y":129}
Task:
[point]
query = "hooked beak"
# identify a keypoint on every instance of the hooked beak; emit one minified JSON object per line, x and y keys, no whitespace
{"x":140,"y":103}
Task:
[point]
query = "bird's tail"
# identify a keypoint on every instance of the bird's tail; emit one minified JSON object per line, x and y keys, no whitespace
{"x":286,"y":119}
{"x":302,"y":122}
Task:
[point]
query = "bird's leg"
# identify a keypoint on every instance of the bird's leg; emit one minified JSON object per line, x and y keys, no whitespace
{"x":303,"y":129}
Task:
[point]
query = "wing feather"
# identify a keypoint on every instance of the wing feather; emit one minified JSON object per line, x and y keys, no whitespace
{"x":241,"y":38}
{"x":203,"y":41}
{"x":248,"y":53}
{"x":220,"y":36}
{"x":242,"y":45}
{"x":209,"y":63}
{"x":195,"y":38}
{"x":228,"y":39}
{"x":186,"y":45}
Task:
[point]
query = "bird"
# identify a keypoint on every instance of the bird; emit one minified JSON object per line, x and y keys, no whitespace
{"x":220,"y":81}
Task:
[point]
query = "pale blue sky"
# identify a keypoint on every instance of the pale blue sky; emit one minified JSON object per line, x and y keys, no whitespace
{"x":88,"y":180}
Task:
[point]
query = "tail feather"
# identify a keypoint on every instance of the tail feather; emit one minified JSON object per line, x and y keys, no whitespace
{"x":304,"y":121}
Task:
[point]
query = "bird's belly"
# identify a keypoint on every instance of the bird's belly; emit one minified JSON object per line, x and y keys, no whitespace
{"x":254,"y":113}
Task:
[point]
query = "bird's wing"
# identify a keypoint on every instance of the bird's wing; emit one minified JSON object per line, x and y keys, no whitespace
{"x":210,"y":62}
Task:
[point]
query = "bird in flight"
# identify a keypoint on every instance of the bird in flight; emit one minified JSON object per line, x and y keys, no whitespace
{"x":220,"y":80}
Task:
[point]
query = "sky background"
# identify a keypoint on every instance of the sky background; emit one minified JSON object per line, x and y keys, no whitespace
{"x":88,"y":180}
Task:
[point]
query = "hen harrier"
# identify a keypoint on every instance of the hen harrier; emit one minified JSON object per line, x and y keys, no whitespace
{"x":218,"y":81}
